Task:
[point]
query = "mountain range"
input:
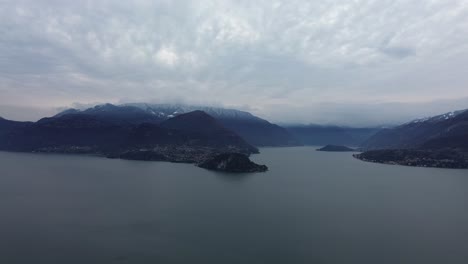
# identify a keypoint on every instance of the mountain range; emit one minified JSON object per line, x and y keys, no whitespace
{"x":190,"y":134}
{"x":253,"y":129}
{"x":101,"y":130}
{"x":447,"y":130}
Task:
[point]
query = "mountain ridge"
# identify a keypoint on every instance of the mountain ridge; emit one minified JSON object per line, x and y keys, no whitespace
{"x":319,"y":135}
{"x":418,"y":133}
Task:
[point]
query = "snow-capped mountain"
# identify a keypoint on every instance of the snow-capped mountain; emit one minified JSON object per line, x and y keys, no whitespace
{"x":116,"y":114}
{"x":437,"y":118}
{"x":449,"y":130}
{"x":253,"y":129}
{"x":171,"y":110}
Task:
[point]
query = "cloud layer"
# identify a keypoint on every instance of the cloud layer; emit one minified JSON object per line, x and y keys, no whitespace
{"x":279,"y":59}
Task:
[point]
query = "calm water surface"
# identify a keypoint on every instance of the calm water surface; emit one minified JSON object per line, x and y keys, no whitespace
{"x":311,"y":207}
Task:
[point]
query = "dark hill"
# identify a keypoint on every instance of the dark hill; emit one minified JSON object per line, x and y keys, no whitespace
{"x":256,"y":131}
{"x":232,"y":162}
{"x":69,"y":133}
{"x":8,"y":125}
{"x":196,"y":121}
{"x":207,"y":128}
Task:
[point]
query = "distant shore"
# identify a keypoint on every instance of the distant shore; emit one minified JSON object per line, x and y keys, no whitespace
{"x":447,"y":158}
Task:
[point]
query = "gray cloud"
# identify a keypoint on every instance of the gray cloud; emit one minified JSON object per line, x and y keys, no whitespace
{"x":399,"y":52}
{"x":358,"y":115}
{"x":272,"y":57}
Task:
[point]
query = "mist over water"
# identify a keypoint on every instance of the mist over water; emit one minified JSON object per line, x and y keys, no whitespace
{"x":310,"y":207}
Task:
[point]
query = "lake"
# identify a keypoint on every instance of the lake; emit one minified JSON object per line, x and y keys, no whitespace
{"x":310,"y":207}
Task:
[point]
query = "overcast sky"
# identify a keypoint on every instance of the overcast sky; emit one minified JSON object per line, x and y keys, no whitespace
{"x":342,"y":61}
